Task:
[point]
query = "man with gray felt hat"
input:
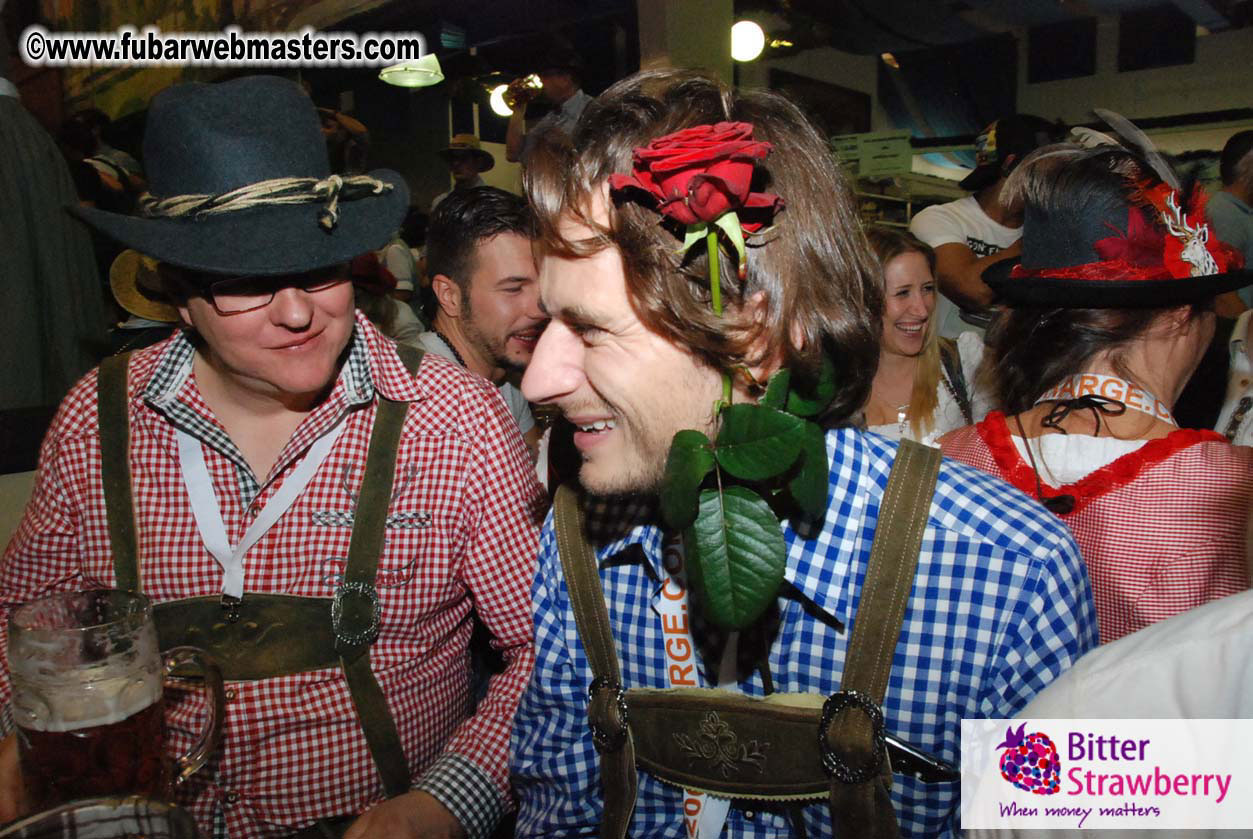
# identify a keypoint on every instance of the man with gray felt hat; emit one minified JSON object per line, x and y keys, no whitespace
{"x":318,"y":509}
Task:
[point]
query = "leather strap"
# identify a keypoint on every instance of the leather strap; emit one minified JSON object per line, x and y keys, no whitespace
{"x":112,"y":406}
{"x":357,"y":600}
{"x":865,"y":807}
{"x":258,"y":641}
{"x":358,"y":615}
{"x":950,"y":359}
{"x":591,"y":617}
{"x":860,"y":809}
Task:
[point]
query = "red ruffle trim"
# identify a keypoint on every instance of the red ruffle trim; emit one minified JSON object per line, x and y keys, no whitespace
{"x":994,"y":431}
{"x":1111,"y":270}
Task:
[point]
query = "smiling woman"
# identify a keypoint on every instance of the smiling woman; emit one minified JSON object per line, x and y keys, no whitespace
{"x":925,"y":385}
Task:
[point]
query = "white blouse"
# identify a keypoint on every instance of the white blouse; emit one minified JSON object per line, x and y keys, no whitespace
{"x":948,"y":414}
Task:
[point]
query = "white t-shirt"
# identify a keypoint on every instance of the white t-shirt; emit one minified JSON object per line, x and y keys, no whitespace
{"x":516,"y":402}
{"x":398,"y":259}
{"x":960,"y":222}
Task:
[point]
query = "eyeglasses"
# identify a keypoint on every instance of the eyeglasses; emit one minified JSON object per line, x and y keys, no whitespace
{"x":236,"y":295}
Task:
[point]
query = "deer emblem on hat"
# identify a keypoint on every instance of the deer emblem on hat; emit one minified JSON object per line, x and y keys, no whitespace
{"x":1195,"y":239}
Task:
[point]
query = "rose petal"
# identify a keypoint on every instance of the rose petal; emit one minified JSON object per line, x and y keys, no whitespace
{"x":709,"y":197}
{"x":678,"y":210}
{"x":736,"y":176}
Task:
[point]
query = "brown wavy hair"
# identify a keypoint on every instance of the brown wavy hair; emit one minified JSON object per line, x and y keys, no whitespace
{"x":818,"y":277}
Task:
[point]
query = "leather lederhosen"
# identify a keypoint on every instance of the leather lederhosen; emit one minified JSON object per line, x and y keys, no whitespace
{"x":814,"y":749}
{"x":263,"y":636}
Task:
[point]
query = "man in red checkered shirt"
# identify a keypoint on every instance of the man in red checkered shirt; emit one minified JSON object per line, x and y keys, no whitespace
{"x":247,"y":461}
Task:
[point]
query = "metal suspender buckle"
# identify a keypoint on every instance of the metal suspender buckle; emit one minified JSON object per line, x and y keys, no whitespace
{"x":609,"y":729}
{"x":834,"y":763}
{"x":355,"y":635}
{"x":230,"y":605}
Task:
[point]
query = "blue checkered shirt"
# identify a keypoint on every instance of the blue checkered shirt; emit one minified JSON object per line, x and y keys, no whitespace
{"x":1000,"y":607}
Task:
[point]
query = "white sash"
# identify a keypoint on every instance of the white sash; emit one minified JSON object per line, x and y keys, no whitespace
{"x":208,"y":513}
{"x":1119,"y":390}
{"x":703,"y":815}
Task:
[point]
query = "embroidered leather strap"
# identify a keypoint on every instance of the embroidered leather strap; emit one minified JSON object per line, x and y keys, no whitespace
{"x":112,"y":405}
{"x":354,"y":615}
{"x":864,"y":805}
{"x":276,"y":635}
{"x":606,"y":707}
{"x":951,"y":360}
{"x":850,"y":747}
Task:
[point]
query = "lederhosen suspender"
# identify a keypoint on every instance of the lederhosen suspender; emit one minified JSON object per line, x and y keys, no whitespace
{"x":268,"y":635}
{"x":815,"y":749}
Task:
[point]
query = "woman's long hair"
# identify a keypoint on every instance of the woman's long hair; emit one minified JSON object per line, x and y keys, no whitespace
{"x":889,"y":243}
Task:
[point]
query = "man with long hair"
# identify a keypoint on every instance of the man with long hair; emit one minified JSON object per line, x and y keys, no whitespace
{"x":658,"y":327}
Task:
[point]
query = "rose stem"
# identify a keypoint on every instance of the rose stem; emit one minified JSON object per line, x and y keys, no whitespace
{"x":715,"y":296}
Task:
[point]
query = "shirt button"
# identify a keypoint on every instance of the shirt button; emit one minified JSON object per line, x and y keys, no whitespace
{"x":232,"y":797}
{"x":750,"y":814}
{"x":230,"y":694}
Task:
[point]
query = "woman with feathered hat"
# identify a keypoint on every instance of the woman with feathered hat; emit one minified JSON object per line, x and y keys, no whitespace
{"x":1110,"y":311}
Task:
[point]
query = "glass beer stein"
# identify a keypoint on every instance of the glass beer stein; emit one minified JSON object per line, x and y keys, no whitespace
{"x":88,"y":678}
{"x":106,"y":818}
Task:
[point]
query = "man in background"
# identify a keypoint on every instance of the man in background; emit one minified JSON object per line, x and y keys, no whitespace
{"x":483,"y":277}
{"x":971,"y":234}
{"x":54,"y":317}
{"x":467,"y":161}
{"x":562,"y":81}
{"x":1229,"y":209}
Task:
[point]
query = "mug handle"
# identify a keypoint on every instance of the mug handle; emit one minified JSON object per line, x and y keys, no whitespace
{"x":211,"y":734}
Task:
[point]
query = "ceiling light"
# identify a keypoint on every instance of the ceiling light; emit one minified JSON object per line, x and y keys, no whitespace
{"x":421,"y":73}
{"x":890,"y":60}
{"x":747,"y":40}
{"x":497,"y":101}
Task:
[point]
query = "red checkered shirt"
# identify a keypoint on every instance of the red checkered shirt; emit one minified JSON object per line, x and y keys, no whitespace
{"x":1161,"y":529}
{"x":461,"y":537}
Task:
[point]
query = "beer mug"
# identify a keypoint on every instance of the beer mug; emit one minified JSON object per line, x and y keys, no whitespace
{"x":522,"y":91}
{"x":106,"y":818}
{"x":87,"y":679}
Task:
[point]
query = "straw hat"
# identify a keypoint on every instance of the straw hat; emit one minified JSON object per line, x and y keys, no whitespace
{"x":137,"y":287}
{"x":468,"y":144}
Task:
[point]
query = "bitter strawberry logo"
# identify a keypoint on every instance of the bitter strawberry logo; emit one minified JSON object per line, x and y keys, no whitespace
{"x":1030,"y":761}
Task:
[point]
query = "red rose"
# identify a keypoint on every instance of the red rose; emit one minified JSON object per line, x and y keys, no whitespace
{"x":700,"y":173}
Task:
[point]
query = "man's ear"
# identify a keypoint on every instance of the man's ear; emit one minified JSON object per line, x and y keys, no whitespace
{"x":447,"y":295}
{"x":767,"y":361}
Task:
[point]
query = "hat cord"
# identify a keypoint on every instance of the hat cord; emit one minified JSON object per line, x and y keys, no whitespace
{"x":275,"y":191}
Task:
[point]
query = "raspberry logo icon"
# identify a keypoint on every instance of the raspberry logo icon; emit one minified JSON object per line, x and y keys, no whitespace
{"x":1029,"y":761}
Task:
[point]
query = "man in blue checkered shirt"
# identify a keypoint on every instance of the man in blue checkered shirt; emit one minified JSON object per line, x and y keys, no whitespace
{"x":1000,"y":603}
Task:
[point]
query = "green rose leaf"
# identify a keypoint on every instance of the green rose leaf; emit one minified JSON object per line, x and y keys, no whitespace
{"x":809,"y":485}
{"x":695,"y":233}
{"x":756,"y":442}
{"x":736,"y":556}
{"x":689,"y":461}
{"x":729,"y":222}
{"x":776,"y":389}
{"x":817,"y":396}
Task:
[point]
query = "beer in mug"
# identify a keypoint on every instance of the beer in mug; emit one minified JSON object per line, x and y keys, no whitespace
{"x":87,"y":698}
